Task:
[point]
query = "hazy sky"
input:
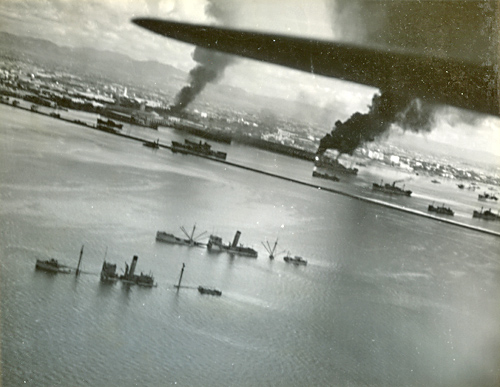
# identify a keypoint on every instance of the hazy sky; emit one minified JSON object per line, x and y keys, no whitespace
{"x":105,"y":25}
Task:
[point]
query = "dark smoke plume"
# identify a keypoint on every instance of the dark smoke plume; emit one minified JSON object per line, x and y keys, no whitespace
{"x":211,"y":64}
{"x":386,"y":109}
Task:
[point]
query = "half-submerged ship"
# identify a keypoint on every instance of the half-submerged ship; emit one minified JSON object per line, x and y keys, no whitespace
{"x":325,"y":176}
{"x":51,"y":266}
{"x":201,"y":148}
{"x":295,"y":260}
{"x":322,"y":161}
{"x":215,"y":245}
{"x":441,"y":210}
{"x":391,"y":189}
{"x":146,"y":280}
{"x":162,"y":236}
{"x":108,"y":272}
{"x":486,"y":215}
{"x":272,"y":250}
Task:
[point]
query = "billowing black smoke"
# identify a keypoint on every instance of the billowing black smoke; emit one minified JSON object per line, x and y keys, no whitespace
{"x":386,"y":109}
{"x":410,"y":26}
{"x":210,"y":64}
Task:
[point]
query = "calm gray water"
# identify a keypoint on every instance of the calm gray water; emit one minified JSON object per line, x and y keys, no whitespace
{"x":387,"y":299}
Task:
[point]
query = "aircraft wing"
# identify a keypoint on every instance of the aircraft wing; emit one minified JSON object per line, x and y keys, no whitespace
{"x":463,"y":84}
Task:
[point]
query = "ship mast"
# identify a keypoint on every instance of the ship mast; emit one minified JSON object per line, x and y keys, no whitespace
{"x":180,"y":277}
{"x":77,"y":272}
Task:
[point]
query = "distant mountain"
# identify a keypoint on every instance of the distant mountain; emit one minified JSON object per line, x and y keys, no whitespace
{"x":107,"y":66}
{"x":103,"y":65}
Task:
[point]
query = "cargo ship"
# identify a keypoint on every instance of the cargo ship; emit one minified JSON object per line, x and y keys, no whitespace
{"x":391,"y":189}
{"x":440,"y":210}
{"x":191,"y":147}
{"x":215,"y":245}
{"x":486,"y":215}
{"x":322,"y":161}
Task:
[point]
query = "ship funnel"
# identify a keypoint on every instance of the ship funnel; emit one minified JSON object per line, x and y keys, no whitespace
{"x":236,"y":239}
{"x":132,"y":266}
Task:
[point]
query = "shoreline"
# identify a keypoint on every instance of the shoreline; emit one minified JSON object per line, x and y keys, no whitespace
{"x":292,"y":180}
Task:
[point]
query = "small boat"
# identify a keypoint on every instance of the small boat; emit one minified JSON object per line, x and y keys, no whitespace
{"x":391,"y":189}
{"x":325,"y":176}
{"x":435,"y":181}
{"x":215,"y":245}
{"x":295,"y":260}
{"x":52,"y":266}
{"x":440,"y":210}
{"x":192,"y":240}
{"x":461,"y":186}
{"x":209,"y":291}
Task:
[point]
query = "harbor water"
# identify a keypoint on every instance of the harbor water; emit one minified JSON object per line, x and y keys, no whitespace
{"x":387,"y":298}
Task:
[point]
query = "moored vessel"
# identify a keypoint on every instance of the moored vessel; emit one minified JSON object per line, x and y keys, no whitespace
{"x":486,"y":215}
{"x":440,"y":210}
{"x":201,"y":148}
{"x":391,"y":189}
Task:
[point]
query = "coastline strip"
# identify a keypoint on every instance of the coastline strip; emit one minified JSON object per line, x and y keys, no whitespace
{"x":292,"y":180}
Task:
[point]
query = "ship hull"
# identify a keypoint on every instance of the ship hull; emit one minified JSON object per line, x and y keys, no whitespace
{"x":51,"y":267}
{"x":172,"y":239}
{"x":440,"y":210}
{"x":243,"y":251}
{"x":198,"y":149}
{"x":391,"y":190}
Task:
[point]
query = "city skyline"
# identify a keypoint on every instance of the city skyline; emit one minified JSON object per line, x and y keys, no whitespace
{"x":105,"y":25}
